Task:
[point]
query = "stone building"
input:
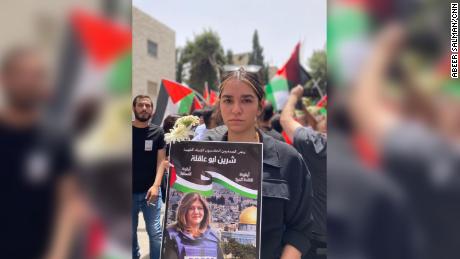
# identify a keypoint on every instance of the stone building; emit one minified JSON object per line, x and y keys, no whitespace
{"x":154,"y":54}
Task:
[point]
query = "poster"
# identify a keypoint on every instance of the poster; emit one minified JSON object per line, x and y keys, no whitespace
{"x":213,"y":203}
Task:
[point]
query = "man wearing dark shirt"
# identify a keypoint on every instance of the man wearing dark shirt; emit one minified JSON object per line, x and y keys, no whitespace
{"x":312,"y":145}
{"x":148,"y":153}
{"x":39,"y":201}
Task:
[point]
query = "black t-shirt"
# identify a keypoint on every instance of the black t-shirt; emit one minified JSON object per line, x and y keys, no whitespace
{"x":146,"y":143}
{"x":312,"y":146}
{"x":32,"y":163}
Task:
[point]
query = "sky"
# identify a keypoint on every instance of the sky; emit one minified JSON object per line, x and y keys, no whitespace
{"x":280,"y":24}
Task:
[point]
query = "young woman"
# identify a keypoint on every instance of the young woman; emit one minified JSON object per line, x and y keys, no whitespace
{"x":287,"y":190}
{"x":191,"y":235}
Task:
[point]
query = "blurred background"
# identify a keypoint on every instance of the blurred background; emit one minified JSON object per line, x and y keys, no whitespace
{"x":66,"y":78}
{"x":393,"y":167}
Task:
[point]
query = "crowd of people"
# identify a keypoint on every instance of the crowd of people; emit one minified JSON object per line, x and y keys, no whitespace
{"x":394,"y":165}
{"x":294,"y":204}
{"x":294,"y":174}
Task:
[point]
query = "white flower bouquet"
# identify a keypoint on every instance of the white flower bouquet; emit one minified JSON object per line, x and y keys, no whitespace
{"x":182,"y":129}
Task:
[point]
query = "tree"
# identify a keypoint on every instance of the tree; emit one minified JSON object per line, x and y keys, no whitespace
{"x":238,"y":250}
{"x":206,"y":57}
{"x":179,"y":65}
{"x":265,"y":74}
{"x":317,"y":63}
{"x":256,"y":57}
{"x":229,"y":57}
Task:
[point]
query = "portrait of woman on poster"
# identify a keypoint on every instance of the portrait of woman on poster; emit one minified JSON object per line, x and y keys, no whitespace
{"x":286,"y":184}
{"x":191,"y":235}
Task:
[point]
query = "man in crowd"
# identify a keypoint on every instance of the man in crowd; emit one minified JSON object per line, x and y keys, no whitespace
{"x":264,"y":122}
{"x":148,"y":152}
{"x":43,"y":204}
{"x":312,"y":145}
{"x":209,"y":123}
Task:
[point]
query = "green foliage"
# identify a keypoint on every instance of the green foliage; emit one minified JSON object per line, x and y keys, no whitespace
{"x":265,"y":74}
{"x":317,"y":63}
{"x":206,"y":57}
{"x":256,"y":57}
{"x":239,"y":251}
{"x":179,"y":66}
{"x":229,"y":57}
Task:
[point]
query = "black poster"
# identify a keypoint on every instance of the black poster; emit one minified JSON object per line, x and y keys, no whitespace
{"x":213,"y":202}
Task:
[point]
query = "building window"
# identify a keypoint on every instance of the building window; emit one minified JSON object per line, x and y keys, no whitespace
{"x":152,"y":48}
{"x":152,"y":88}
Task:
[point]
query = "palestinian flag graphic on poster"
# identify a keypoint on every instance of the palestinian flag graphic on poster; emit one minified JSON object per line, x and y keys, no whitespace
{"x":216,"y":188}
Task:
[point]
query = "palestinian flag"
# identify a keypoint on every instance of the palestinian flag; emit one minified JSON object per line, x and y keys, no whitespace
{"x":288,"y":76}
{"x":205,"y":189}
{"x":185,"y":186}
{"x":348,"y":31}
{"x":103,"y":40}
{"x":196,"y":104}
{"x":206,"y":93}
{"x":173,"y":98}
{"x":96,"y":61}
{"x":322,"y":103}
{"x":212,"y":97}
{"x":209,"y":96}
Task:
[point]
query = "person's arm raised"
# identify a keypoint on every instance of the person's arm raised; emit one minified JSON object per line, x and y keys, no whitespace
{"x":367,"y":110}
{"x":287,"y":120}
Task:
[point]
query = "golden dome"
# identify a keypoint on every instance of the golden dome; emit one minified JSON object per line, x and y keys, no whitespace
{"x":249,"y":216}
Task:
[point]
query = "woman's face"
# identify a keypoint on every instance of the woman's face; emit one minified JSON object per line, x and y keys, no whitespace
{"x":195,"y":213}
{"x":239,"y":106}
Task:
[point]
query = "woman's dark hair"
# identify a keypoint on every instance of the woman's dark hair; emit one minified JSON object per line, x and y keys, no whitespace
{"x":252,"y":79}
{"x":267,"y":112}
{"x":207,"y":116}
{"x":198,"y":113}
{"x":275,"y":122}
